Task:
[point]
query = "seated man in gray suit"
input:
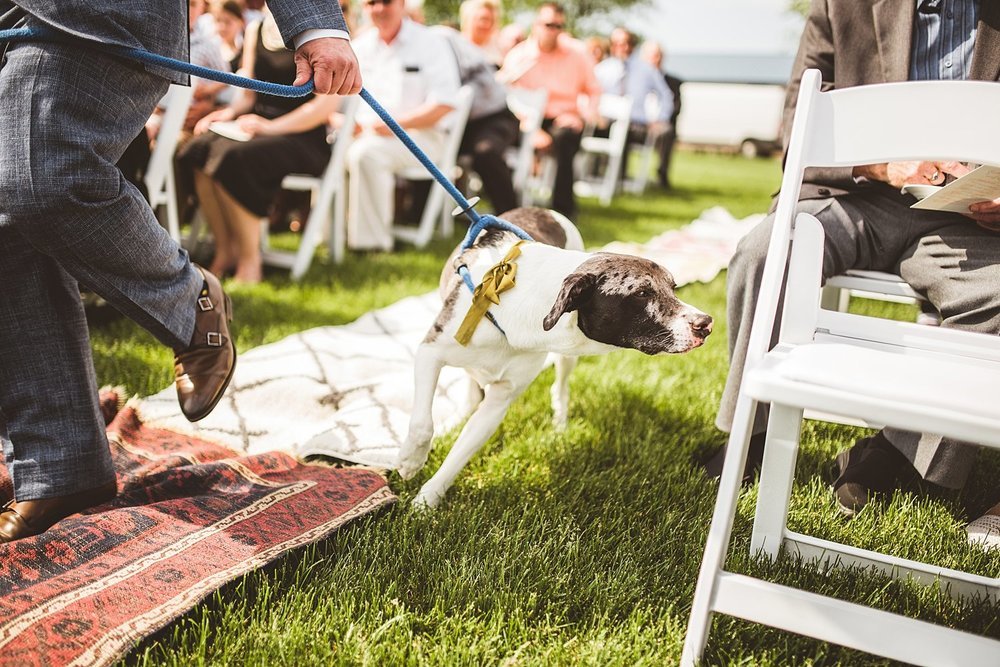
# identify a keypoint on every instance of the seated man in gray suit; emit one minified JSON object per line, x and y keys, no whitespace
{"x":869,"y":223}
{"x":68,"y":217}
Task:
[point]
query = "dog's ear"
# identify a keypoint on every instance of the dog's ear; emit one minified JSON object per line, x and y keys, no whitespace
{"x":576,"y":289}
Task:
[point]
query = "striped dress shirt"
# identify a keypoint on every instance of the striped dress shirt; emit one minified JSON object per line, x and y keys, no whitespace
{"x":944,"y":33}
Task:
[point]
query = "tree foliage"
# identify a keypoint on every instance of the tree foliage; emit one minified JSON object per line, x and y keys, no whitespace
{"x":800,"y":6}
{"x":577,"y":11}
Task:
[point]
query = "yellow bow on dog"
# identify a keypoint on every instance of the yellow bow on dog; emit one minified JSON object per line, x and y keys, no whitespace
{"x":498,"y":279}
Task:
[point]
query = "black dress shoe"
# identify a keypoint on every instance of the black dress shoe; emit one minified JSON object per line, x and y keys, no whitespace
{"x":870,"y":468}
{"x":755,"y":455}
{"x":203,"y":370}
{"x":33,"y":517}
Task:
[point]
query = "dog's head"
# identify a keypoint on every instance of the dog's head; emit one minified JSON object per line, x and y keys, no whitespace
{"x":628,"y":301}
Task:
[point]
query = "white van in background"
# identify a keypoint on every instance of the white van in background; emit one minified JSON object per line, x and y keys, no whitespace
{"x":732,"y":116}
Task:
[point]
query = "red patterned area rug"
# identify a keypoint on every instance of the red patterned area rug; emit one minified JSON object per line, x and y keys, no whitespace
{"x":190,"y":516}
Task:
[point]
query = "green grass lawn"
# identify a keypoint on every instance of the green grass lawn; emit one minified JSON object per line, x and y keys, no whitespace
{"x":553,"y":548}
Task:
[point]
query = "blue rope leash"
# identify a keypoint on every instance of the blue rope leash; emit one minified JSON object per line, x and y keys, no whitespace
{"x":479,"y":222}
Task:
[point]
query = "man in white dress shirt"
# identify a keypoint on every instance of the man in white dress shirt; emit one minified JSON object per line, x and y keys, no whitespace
{"x":411,"y":71}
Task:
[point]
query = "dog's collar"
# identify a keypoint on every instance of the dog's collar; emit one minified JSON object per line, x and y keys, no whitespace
{"x":499,"y":278}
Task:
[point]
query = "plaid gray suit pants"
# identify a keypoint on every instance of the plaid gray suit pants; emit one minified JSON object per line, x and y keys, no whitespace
{"x":66,"y":217}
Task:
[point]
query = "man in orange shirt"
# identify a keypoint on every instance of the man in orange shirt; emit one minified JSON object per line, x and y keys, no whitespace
{"x":551,"y":60}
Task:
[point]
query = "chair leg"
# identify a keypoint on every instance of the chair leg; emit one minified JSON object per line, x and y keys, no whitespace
{"x":610,"y":182}
{"x":717,"y":545}
{"x":834,"y":298}
{"x":338,"y":235}
{"x":319,"y":219}
{"x":193,"y":239}
{"x":447,"y":221}
{"x":777,"y":472}
{"x":429,"y":216}
{"x":173,"y":217}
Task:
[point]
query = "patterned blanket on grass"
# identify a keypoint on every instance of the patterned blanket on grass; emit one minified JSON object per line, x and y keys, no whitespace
{"x":345,"y":391}
{"x":190,"y":516}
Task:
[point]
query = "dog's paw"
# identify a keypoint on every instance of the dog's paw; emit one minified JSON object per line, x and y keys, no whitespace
{"x":426,"y":501}
{"x":412,"y":457}
{"x":408,"y":468}
{"x":560,"y":421}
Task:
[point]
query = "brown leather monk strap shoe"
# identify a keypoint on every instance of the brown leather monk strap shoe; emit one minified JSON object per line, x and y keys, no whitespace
{"x":204,"y":369}
{"x":33,"y":517}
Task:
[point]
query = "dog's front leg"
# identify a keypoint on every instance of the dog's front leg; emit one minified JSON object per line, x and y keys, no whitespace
{"x":413,"y":454}
{"x":560,"y":389}
{"x":481,"y":425}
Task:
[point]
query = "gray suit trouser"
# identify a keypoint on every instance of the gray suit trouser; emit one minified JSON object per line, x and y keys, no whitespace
{"x":66,"y":217}
{"x":947,"y":257}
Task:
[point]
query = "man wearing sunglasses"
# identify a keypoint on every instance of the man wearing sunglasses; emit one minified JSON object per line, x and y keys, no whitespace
{"x":549,"y":59}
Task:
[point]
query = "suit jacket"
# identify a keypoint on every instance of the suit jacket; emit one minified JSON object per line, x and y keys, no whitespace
{"x":674,"y":84}
{"x":858,"y":42}
{"x":159,"y":26}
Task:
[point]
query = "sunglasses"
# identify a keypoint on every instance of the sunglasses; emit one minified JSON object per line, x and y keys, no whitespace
{"x":372,"y":3}
{"x":554,"y":26}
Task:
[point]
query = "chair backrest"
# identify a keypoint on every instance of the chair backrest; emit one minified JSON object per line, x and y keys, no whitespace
{"x":456,"y":128}
{"x":178,"y":100}
{"x":529,"y":106}
{"x":327,"y":196}
{"x":868,"y":125}
{"x":436,"y":205}
{"x":617,"y":109}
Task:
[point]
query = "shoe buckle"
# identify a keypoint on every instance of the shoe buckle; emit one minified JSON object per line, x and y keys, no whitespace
{"x":214,"y":339}
{"x":205,"y":304}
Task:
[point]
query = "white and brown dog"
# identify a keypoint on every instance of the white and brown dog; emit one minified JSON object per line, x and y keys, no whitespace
{"x":566,"y":302}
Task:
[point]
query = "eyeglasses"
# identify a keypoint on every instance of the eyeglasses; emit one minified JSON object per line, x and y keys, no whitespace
{"x":554,"y":26}
{"x":372,"y":3}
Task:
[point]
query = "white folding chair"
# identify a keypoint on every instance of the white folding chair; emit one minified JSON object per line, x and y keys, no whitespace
{"x":159,"y":177}
{"x":327,"y":204}
{"x":529,"y":107}
{"x":901,"y":374}
{"x":617,"y":111}
{"x":437,"y":206}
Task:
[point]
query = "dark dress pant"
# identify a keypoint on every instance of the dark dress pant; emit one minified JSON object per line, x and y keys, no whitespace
{"x":565,"y":145}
